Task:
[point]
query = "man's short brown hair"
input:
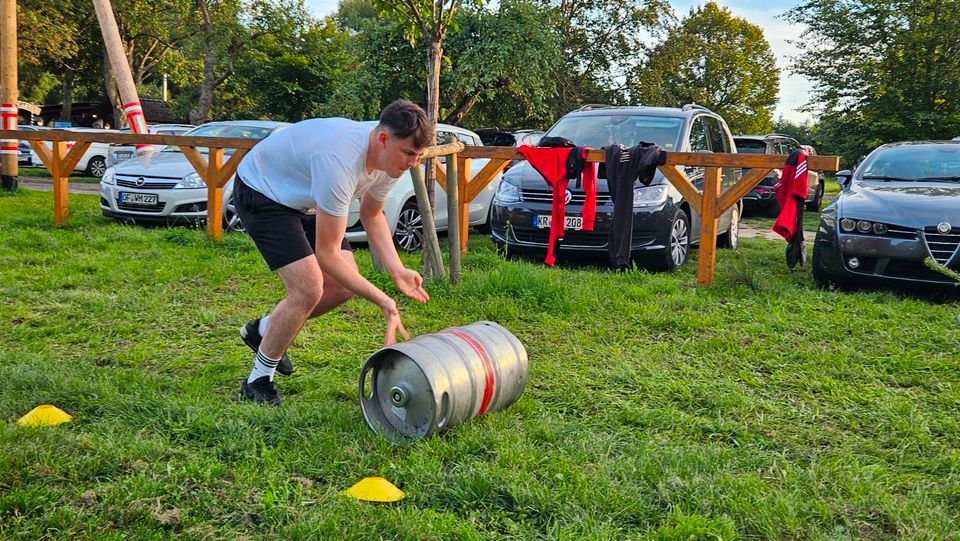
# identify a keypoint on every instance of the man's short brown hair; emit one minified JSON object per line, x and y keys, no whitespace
{"x":404,"y":118}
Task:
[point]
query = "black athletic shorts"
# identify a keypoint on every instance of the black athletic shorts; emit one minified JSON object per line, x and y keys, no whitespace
{"x":283,"y":235}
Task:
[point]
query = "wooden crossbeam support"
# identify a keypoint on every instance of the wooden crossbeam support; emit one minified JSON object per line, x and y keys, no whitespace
{"x":683,"y":185}
{"x":476,"y":185}
{"x":441,"y":174}
{"x":741,"y":188}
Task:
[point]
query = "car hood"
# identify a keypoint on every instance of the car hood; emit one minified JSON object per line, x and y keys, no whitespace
{"x":909,"y":204}
{"x":161,"y":164}
{"x":525,"y":176}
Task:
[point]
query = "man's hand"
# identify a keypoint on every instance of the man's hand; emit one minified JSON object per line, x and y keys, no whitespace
{"x":392,"y":316}
{"x":410,"y":283}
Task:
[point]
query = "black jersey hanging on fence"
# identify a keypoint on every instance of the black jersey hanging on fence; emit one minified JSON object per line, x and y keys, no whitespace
{"x":624,"y":166}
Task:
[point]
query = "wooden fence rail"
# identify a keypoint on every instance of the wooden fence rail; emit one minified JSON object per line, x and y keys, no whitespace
{"x":710,"y":203}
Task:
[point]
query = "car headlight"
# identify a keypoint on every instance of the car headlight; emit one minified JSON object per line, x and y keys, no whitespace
{"x":108,"y":177}
{"x":847,"y":225}
{"x":192,"y":180}
{"x":649,"y":196}
{"x":507,"y":193}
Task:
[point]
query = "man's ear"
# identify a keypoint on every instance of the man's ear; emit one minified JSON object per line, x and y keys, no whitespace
{"x":382,"y":136}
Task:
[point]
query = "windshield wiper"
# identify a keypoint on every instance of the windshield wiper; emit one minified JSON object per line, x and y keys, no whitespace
{"x":886,"y":178}
{"x":942,"y":179}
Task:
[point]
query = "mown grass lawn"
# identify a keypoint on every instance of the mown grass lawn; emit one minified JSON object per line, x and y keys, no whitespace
{"x":760,"y":408}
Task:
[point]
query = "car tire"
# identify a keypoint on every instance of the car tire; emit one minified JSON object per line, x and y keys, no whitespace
{"x":822,"y":278}
{"x":731,"y":239}
{"x":678,"y":244}
{"x":231,"y":220}
{"x":408,"y":235}
{"x":96,"y":167}
{"x":814,"y":206}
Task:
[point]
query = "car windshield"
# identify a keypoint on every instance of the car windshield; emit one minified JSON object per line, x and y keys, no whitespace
{"x":750,"y":146}
{"x":224,"y":130}
{"x":598,"y":131}
{"x":934,"y":162}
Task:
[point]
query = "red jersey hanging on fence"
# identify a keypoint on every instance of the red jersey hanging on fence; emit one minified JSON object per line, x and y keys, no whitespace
{"x":556,"y":166}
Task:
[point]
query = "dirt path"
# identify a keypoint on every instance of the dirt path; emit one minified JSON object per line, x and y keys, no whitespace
{"x":46,"y":185}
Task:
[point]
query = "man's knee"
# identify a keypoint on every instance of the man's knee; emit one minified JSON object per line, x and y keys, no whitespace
{"x":307,"y":295}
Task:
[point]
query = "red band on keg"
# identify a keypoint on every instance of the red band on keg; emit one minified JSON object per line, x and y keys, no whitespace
{"x":487,"y":368}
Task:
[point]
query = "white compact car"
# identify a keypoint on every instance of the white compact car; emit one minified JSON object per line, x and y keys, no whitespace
{"x":165,"y":188}
{"x":402,"y":212}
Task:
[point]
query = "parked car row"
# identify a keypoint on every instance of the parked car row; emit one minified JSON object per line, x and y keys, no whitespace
{"x":763,"y":198}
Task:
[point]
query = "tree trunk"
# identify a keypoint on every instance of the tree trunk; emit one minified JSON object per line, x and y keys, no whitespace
{"x":199,"y":114}
{"x":465,"y":107}
{"x":432,"y":259}
{"x":67,"y":110}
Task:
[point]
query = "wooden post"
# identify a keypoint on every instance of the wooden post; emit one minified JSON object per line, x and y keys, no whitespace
{"x":708,"y":227}
{"x":121,"y":72}
{"x":453,"y":215}
{"x":214,"y":194}
{"x":8,"y":93}
{"x":61,"y":190}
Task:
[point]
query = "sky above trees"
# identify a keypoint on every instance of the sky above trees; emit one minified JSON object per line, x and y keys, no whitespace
{"x":794,"y":89}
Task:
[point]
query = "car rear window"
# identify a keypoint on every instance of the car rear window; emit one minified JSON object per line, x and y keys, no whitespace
{"x":750,"y":146}
{"x":597,"y":131}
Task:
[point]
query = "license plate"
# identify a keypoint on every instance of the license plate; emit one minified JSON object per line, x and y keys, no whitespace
{"x":131,"y":198}
{"x":542,"y":221}
{"x":123,"y":155}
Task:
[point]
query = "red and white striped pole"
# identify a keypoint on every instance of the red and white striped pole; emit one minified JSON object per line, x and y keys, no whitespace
{"x":121,"y":72}
{"x":8,"y":93}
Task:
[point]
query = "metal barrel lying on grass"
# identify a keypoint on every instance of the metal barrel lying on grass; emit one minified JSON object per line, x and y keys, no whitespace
{"x":435,"y":381}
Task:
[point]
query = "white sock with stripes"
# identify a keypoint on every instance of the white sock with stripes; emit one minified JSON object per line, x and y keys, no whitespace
{"x":263,"y":366}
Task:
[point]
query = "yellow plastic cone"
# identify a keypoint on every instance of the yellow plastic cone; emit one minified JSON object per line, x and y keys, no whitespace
{"x":375,"y":489}
{"x":45,"y":415}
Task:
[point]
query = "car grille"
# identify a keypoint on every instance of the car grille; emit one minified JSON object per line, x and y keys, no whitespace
{"x":942,"y":246}
{"x":586,"y":239}
{"x":148,"y":183}
{"x":142,"y":208}
{"x":546,"y":196}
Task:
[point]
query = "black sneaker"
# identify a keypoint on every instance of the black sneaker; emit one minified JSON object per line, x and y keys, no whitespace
{"x":261,"y":391}
{"x":250,"y":333}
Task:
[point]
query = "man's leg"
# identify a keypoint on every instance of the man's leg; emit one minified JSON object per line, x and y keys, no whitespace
{"x":334,"y":294}
{"x":304,"y":284}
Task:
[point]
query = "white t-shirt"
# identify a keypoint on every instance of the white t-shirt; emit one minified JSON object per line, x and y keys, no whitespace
{"x":315,"y":164}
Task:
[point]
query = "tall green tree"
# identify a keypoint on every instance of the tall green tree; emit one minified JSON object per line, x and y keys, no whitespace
{"x":601,"y":41}
{"x":717,"y":60}
{"x":883,"y":71}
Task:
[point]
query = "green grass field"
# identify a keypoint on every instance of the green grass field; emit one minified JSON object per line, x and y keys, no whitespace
{"x":760,"y":408}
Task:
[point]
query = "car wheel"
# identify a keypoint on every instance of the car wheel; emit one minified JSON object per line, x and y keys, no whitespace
{"x":231,"y":220}
{"x":96,"y":167}
{"x":731,"y":238}
{"x":408,"y":236}
{"x":814,"y":205}
{"x":822,"y":278}
{"x":678,"y":245}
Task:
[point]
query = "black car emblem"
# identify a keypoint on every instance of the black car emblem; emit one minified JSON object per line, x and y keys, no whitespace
{"x":567,"y":197}
{"x":944,"y":227}
{"x":141,"y":181}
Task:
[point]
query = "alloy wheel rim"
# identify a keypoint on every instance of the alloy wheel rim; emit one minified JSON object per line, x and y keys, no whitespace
{"x":678,"y":242}
{"x":98,"y":168}
{"x":409,"y":232}
{"x":231,"y":217}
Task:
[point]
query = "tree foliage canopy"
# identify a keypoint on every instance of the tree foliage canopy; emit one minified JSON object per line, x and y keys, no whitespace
{"x":714,"y":59}
{"x":883,"y":70}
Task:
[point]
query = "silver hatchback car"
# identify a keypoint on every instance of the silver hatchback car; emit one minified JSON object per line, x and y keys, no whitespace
{"x":165,"y":187}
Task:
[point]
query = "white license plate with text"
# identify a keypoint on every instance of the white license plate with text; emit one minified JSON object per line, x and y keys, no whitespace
{"x":542,"y":221}
{"x":132,"y":198}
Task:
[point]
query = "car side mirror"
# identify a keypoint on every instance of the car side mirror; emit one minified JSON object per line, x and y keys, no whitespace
{"x":844,"y":178}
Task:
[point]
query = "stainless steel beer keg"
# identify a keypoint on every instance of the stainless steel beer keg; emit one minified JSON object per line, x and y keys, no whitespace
{"x":435,"y":381}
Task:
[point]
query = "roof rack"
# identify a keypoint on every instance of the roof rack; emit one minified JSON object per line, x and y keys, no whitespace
{"x":589,"y":106}
{"x":778,"y":135}
{"x":690,"y":106}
